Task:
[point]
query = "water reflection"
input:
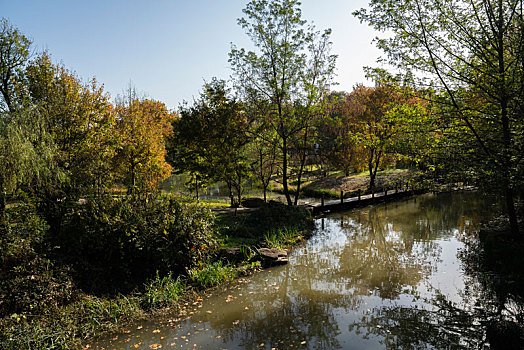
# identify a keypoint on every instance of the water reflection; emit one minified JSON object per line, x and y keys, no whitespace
{"x":408,"y":275}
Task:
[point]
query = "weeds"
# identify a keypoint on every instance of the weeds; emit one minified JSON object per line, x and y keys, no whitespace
{"x":211,"y":274}
{"x":161,"y":292}
{"x":283,"y":237}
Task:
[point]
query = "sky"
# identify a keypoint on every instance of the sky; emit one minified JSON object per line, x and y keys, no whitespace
{"x":167,"y":49}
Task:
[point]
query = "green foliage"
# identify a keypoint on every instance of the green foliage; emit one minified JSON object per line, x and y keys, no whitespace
{"x":117,"y":242}
{"x":29,"y":281}
{"x":470,"y":54}
{"x":211,"y":274}
{"x":273,"y":217}
{"x":64,"y":327}
{"x":210,"y":138}
{"x":283,"y":238}
{"x":14,"y":52}
{"x":285,"y":78}
{"x":161,"y":292}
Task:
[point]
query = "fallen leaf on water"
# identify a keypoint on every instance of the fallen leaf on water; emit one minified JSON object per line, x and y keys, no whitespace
{"x":156,"y":331}
{"x":236,"y":322}
{"x":209,"y":311}
{"x":155,"y":346}
{"x":137,"y":345}
{"x":218,"y":336}
{"x":246,"y":308}
{"x":304,"y":342}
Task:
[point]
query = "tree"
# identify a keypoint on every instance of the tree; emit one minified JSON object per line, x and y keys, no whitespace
{"x":290,"y":71}
{"x":79,"y":118}
{"x":210,"y":138}
{"x":471,"y":53}
{"x":338,"y":146}
{"x":14,"y":53}
{"x":374,"y":129}
{"x":25,"y":147}
{"x":142,"y":129}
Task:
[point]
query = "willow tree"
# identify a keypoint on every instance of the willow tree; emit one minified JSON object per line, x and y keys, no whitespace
{"x":26,"y":148}
{"x":471,"y":53}
{"x":290,"y":70}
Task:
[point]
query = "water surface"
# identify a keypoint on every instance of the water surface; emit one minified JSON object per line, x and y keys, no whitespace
{"x":397,"y":276}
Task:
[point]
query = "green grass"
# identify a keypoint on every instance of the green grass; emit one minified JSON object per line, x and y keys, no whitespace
{"x":283,"y":238}
{"x":64,"y":327}
{"x":211,"y":274}
{"x":251,"y":228}
{"x":162,"y":291}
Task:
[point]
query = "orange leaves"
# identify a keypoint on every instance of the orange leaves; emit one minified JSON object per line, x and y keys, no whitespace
{"x":142,"y":129}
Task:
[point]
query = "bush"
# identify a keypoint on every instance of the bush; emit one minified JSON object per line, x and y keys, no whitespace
{"x":271,"y":218}
{"x":116,"y":244}
{"x":29,"y":281}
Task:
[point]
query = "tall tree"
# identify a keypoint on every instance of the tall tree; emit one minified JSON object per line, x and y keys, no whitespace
{"x":142,"y":129}
{"x":14,"y":54}
{"x":374,"y":129}
{"x":210,"y":138}
{"x":471,"y":53}
{"x":79,"y":117}
{"x":26,"y":150}
{"x":290,"y":70}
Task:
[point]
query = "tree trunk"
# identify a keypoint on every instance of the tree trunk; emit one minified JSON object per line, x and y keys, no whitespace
{"x":229,"y":185}
{"x":284,"y":171}
{"x":196,"y":189}
{"x":371,"y":174}
{"x":299,"y":177}
{"x":302,"y":163}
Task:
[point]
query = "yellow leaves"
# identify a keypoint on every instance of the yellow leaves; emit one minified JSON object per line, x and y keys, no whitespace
{"x":155,"y":346}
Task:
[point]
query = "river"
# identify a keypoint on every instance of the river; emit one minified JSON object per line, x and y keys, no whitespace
{"x":403,"y":275}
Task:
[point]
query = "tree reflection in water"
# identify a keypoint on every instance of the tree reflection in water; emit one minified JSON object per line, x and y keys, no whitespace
{"x":409,"y":275}
{"x":490,"y":312}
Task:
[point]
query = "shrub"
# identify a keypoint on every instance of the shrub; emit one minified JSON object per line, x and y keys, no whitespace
{"x":29,"y":281}
{"x":115,"y":244}
{"x":266,"y":220}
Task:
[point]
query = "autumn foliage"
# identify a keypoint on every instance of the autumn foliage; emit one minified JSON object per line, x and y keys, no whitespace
{"x":141,"y":130}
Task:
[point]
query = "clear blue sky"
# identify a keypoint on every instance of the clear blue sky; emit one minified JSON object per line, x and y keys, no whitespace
{"x":167,"y":48}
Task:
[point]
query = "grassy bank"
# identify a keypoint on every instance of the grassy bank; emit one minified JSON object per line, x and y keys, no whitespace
{"x":117,"y":260}
{"x":334,"y":182}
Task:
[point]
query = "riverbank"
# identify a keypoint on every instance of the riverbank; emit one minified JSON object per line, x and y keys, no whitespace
{"x":52,"y":310}
{"x":377,"y":272}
